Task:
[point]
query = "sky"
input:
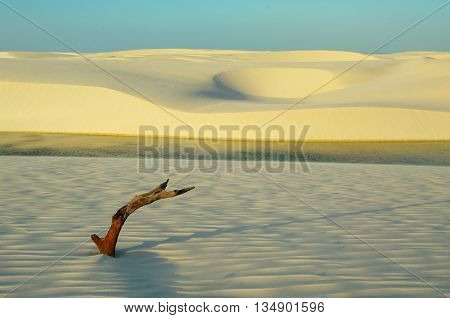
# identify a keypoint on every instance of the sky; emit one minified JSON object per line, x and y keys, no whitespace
{"x":108,"y":25}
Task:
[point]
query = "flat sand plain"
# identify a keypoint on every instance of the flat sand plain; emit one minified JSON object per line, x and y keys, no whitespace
{"x":236,"y":234}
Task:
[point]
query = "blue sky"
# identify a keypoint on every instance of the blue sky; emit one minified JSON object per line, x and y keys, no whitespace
{"x":352,"y":25}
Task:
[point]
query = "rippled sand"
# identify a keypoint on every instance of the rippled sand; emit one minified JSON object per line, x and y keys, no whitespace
{"x":237,"y":234}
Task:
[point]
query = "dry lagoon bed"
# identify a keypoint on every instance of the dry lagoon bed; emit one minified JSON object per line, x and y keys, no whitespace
{"x":237,"y":234}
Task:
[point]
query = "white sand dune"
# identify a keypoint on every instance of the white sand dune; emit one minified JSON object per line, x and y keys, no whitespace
{"x":6,"y":55}
{"x":276,"y":82}
{"x":402,"y":96}
{"x":408,"y":55}
{"x":305,"y":56}
{"x":235,"y":235}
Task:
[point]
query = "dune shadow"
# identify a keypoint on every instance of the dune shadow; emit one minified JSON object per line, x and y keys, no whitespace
{"x":219,"y":91}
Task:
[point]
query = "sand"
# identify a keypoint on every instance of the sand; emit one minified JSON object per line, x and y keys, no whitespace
{"x":401,"y":96}
{"x":237,"y":234}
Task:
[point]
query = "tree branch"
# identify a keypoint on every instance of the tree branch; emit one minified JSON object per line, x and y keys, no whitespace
{"x":107,"y":244}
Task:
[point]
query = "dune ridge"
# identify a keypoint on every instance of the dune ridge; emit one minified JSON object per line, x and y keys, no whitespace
{"x":275,"y":82}
{"x":390,"y":97}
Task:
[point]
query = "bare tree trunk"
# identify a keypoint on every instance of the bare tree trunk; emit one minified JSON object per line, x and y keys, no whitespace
{"x":107,"y":244}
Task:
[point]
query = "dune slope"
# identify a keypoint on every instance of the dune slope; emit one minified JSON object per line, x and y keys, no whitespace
{"x":388,"y":97}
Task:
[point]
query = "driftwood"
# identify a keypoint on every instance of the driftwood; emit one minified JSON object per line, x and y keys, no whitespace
{"x":107,"y":244}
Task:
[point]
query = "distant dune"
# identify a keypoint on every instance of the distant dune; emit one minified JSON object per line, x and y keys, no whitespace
{"x":401,"y":96}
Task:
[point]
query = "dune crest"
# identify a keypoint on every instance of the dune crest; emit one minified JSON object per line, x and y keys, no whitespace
{"x":275,"y":82}
{"x":85,"y":109}
{"x":308,"y":56}
{"x":387,"y":97}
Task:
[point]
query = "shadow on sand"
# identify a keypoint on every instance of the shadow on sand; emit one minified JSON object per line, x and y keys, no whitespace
{"x":219,"y":91}
{"x":140,"y":274}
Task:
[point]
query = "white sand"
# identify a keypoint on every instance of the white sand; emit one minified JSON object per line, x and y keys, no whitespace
{"x":402,"y":96}
{"x":236,"y":234}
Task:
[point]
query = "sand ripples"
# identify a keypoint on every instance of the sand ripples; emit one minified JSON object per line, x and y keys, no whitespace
{"x":236,"y":235}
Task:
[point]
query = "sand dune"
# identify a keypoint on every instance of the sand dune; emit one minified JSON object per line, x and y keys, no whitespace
{"x":275,"y":82}
{"x":306,"y":56}
{"x":6,"y":55}
{"x":402,"y":96}
{"x":407,"y":55}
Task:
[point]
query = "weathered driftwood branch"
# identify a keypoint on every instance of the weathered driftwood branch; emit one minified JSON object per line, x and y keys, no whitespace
{"x":107,"y":244}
